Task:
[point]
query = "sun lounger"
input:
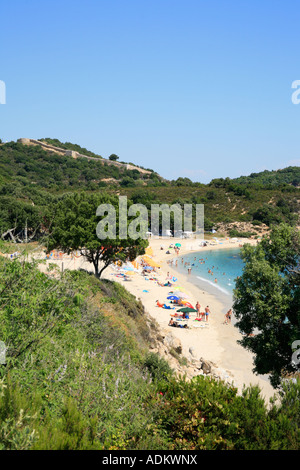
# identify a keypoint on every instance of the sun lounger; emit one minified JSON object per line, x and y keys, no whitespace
{"x":198,"y":325}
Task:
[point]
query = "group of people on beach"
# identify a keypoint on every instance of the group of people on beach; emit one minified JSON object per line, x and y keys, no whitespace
{"x":202,"y":315}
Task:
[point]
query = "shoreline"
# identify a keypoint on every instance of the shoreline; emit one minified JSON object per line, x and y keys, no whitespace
{"x":214,"y":342}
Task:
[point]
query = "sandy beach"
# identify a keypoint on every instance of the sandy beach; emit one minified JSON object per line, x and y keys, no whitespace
{"x":216,"y":341}
{"x":213,"y":340}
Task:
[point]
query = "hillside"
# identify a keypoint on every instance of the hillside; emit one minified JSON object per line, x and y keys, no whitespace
{"x":33,"y":174}
{"x":289,"y":175}
{"x":80,"y":373}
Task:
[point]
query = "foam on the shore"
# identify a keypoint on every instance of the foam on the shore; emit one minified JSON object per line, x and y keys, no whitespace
{"x":214,"y":285}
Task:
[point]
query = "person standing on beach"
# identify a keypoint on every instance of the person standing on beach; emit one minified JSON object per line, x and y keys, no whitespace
{"x":198,"y":308}
{"x":207,"y":312}
{"x":228,"y":316}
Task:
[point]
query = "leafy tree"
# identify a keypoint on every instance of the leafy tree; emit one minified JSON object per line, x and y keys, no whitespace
{"x":145,"y":197}
{"x":74,"y":228}
{"x":113,"y":157}
{"x":211,"y":195}
{"x":267,"y":301}
{"x":268,"y":215}
{"x":183,"y":181}
{"x":128,"y":182}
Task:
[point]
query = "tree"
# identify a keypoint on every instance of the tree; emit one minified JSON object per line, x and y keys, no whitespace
{"x":113,"y":157}
{"x":267,"y":302}
{"x":74,"y":228}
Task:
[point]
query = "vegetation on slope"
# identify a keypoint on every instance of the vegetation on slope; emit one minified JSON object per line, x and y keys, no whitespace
{"x":33,"y":179}
{"x":69,"y":146}
{"x":289,"y":175}
{"x":78,"y":375}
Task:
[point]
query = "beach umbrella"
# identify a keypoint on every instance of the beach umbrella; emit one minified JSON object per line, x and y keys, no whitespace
{"x":128,"y":268}
{"x":177,"y":244}
{"x":186,"y":310}
{"x":172,"y":297}
{"x":182,"y":295}
{"x":149,"y":251}
{"x":187,"y":304}
{"x":180,"y":288}
{"x":151,"y":262}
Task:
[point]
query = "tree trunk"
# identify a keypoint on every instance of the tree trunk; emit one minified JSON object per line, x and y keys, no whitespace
{"x":101,"y":270}
{"x":96,"y":267}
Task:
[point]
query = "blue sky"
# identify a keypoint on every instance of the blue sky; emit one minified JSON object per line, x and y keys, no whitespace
{"x":200,"y":89}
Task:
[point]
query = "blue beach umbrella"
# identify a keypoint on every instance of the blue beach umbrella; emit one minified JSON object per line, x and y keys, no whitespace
{"x":128,"y":268}
{"x":173,"y":297}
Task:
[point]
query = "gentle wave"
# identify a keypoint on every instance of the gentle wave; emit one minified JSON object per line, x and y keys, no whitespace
{"x":214,"y":285}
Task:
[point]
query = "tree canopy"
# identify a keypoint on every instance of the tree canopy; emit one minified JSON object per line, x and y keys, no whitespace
{"x":113,"y":157}
{"x":73,"y":227}
{"x":267,"y":301}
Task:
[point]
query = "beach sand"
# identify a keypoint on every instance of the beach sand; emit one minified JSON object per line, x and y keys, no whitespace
{"x":216,"y":342}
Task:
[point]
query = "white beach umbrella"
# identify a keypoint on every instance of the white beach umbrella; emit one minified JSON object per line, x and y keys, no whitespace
{"x":182,"y":295}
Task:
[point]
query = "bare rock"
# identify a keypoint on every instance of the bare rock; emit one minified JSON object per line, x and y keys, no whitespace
{"x":192,"y":351}
{"x":206,"y":367}
{"x":173,"y":343}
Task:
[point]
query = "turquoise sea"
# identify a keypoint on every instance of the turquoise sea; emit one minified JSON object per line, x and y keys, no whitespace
{"x":225,"y":266}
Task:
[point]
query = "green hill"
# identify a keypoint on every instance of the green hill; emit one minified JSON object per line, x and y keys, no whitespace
{"x":32,"y":178}
{"x":70,"y":146}
{"x":289,"y":175}
{"x":31,"y":164}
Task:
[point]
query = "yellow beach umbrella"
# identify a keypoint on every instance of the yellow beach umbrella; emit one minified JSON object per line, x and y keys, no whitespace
{"x":151,"y":262}
{"x":179,"y":288}
{"x":149,"y":251}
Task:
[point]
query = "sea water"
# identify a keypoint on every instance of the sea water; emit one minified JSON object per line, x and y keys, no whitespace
{"x":214,"y":271}
{"x":225,"y":264}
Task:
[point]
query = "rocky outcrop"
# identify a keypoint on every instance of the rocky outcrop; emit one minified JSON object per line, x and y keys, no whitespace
{"x":167,"y":346}
{"x":225,"y":228}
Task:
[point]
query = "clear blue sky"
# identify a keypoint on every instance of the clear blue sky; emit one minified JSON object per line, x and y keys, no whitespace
{"x":191,"y":88}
